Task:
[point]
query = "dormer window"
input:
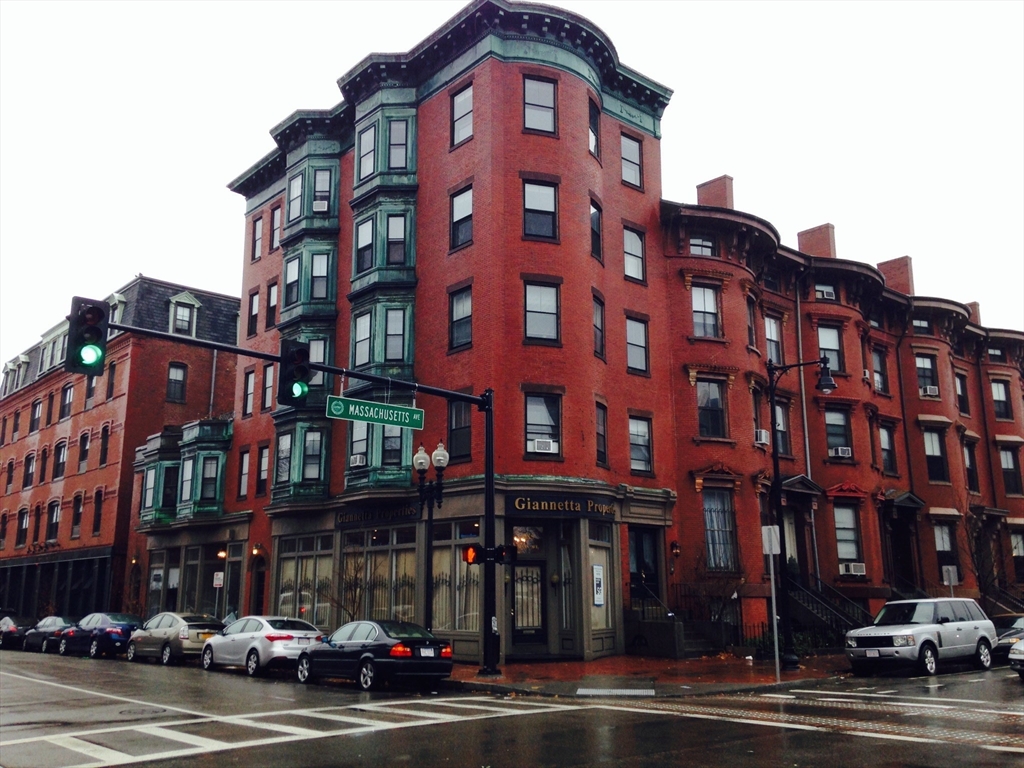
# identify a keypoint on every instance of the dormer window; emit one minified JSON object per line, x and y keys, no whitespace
{"x":703,"y":245}
{"x":922,"y":325}
{"x":184,"y":308}
{"x":825,"y":292}
{"x":183,"y":319}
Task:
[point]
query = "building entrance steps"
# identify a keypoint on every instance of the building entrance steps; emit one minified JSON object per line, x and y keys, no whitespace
{"x":642,"y":676}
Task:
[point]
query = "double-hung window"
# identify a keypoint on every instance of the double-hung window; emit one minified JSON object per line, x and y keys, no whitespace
{"x":83,"y":453}
{"x":945,"y":550}
{"x":459,"y":423}
{"x":361,"y":340}
{"x":359,"y":438}
{"x":243,"y":474}
{"x":317,"y":354}
{"x":595,"y":231}
{"x":829,"y":346}
{"x":208,"y":486}
{"x":460,"y":326}
{"x":295,"y":197}
{"x":598,"y":327}
{"x":935,"y":455}
{"x":632,"y":164}
{"x":542,"y":312}
{"x":971,"y":467}
{"x":462,"y":115}
{"x":462,"y":218}
{"x":539,"y":210}
{"x":367,"y":152}
{"x":149,"y":488}
{"x":720,"y":530}
{"x":394,"y":335}
{"x":322,"y":191}
{"x":927,"y":377}
{"x":636,"y":345}
{"x":311,"y":455}
{"x":249,"y":390}
{"x":187,"y":466}
{"x":275,"y":231}
{"x":254,"y":314}
{"x":262,"y":469}
{"x":543,"y":424}
{"x":640,"y":455}
{"x":67,"y":395}
{"x":52,"y":521}
{"x":391,"y":446}
{"x":847,"y":537}
{"x":268,"y":387}
{"x":963,"y":402}
{"x":710,"y":409}
{"x":28,"y":476}
{"x":291,"y":281}
{"x":837,"y":433}
{"x":398,"y":145}
{"x":257,"y":238}
{"x":364,"y":245}
{"x":396,"y":240}
{"x":703,"y":245}
{"x":880,"y":371}
{"x":633,"y":252}
{"x":751,"y":323}
{"x":782,"y":428}
{"x":705,"y":311}
{"x":1001,"y":400}
{"x":539,"y":105}
{"x":35,"y":416}
{"x":773,"y":339}
{"x":1010,"y":464}
{"x":887,"y":442}
{"x":825,"y":292}
{"x":271,"y":305}
{"x":318,"y":277}
{"x":283,"y":469}
{"x":60,"y":460}
{"x":594,"y":128}
{"x":602,"y":434}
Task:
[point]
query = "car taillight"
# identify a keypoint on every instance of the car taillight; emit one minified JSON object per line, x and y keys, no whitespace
{"x":183,"y":633}
{"x":401,"y":650}
{"x":278,"y":638}
{"x":446,"y":652}
{"x":113,"y":630}
{"x":57,"y":632}
{"x":318,"y":639}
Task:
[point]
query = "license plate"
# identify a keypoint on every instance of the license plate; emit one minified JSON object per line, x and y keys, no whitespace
{"x":303,"y":641}
{"x":871,"y":654}
{"x":426,"y":651}
{"x":205,"y":635}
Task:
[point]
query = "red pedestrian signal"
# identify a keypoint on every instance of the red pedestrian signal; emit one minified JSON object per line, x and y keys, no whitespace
{"x":473,"y":554}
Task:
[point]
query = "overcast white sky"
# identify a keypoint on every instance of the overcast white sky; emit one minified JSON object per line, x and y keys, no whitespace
{"x":121,"y":124}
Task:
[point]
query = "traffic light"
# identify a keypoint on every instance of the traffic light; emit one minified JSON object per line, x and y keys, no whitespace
{"x":293,"y":384}
{"x":506,"y":553}
{"x":87,"y":336}
{"x":473,"y":554}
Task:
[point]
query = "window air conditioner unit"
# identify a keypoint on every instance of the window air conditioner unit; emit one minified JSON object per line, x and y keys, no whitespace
{"x":761,"y":437}
{"x":544,"y":446}
{"x":840,"y":453}
{"x":828,"y":294}
{"x":320,"y":206}
{"x":867,"y":374}
{"x":359,"y":460}
{"x":852,"y":569}
{"x":930,"y":391}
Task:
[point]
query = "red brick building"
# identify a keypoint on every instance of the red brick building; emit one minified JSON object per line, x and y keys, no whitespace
{"x":67,"y":440}
{"x":485,"y":211}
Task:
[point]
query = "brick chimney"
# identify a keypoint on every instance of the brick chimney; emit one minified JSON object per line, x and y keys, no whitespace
{"x":819,"y":241}
{"x":717,"y":192}
{"x":975,"y":308}
{"x":899,"y":274}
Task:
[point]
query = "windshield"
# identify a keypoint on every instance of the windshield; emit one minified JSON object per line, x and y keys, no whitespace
{"x":906,"y":613}
{"x":401,"y":630}
{"x":1008,"y":622}
{"x":124,"y":618}
{"x":293,"y":624}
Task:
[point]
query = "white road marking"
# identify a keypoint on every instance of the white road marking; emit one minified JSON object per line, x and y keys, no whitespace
{"x":186,"y":738}
{"x":777,"y":696}
{"x":250,"y":722}
{"x":914,"y":698}
{"x":89,"y":749}
{"x":883,"y":693}
{"x":893,"y":736}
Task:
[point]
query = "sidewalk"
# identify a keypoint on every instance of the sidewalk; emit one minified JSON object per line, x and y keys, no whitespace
{"x":642,"y":676}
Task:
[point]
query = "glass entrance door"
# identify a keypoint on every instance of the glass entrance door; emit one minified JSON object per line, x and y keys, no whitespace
{"x":528,"y":612}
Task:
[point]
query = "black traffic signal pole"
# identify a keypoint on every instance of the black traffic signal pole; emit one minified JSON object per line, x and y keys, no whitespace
{"x":484,"y":402}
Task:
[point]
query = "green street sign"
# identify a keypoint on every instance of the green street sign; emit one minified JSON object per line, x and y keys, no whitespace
{"x":374,"y":413}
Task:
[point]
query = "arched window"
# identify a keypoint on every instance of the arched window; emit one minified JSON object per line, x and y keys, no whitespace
{"x":97,"y":513}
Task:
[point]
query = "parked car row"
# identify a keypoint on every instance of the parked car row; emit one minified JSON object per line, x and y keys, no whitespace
{"x":368,"y":652}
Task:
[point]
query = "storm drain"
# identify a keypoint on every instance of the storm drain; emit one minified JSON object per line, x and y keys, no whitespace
{"x":614,"y":691}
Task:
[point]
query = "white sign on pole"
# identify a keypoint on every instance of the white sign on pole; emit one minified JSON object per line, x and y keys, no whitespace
{"x":770,"y":539}
{"x":598,"y":585}
{"x":218,"y":579}
{"x":949,"y":576}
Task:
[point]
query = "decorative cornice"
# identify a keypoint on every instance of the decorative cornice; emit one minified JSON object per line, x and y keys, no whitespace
{"x":695,"y":369}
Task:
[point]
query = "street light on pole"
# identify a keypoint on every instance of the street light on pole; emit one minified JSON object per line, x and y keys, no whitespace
{"x":826,"y":385}
{"x":430,"y":493}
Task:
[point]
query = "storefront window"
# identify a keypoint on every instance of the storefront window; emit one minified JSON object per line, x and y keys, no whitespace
{"x":379,"y":574}
{"x":305,"y":583}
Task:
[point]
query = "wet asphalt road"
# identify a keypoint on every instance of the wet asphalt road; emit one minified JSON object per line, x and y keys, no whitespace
{"x":77,"y":712}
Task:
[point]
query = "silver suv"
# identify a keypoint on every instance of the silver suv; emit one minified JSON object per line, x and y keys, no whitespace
{"x":922,"y":632}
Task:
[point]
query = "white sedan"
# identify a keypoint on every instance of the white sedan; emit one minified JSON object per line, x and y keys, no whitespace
{"x":259,"y":642}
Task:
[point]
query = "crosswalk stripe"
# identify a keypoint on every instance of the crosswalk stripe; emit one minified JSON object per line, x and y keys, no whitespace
{"x":88,"y":748}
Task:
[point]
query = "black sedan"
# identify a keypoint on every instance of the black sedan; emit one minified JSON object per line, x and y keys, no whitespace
{"x":45,"y":635}
{"x":99,"y":634}
{"x":1010,"y":629}
{"x":373,"y":652}
{"x":12,"y":631}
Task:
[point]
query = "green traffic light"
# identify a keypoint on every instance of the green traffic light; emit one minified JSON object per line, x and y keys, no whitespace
{"x":300,"y":389}
{"x":90,"y":354}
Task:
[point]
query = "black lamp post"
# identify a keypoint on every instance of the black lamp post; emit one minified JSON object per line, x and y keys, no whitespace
{"x":826,"y":384}
{"x":430,"y":493}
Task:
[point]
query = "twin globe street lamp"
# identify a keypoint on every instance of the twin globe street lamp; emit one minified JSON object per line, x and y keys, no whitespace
{"x":826,"y":385}
{"x":431,"y":493}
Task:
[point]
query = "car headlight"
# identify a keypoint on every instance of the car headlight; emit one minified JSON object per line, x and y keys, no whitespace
{"x":903,"y":641}
{"x":851,"y":642}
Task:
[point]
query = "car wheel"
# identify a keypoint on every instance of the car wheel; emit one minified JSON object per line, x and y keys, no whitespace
{"x":928,"y":659}
{"x":860,"y":668}
{"x":983,"y":656}
{"x":62,"y":649}
{"x":43,"y":646}
{"x":94,"y":649}
{"x":165,"y":655}
{"x":130,"y":653}
{"x":208,"y":659}
{"x":302,"y":670}
{"x":252,"y":663}
{"x":367,"y":676}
